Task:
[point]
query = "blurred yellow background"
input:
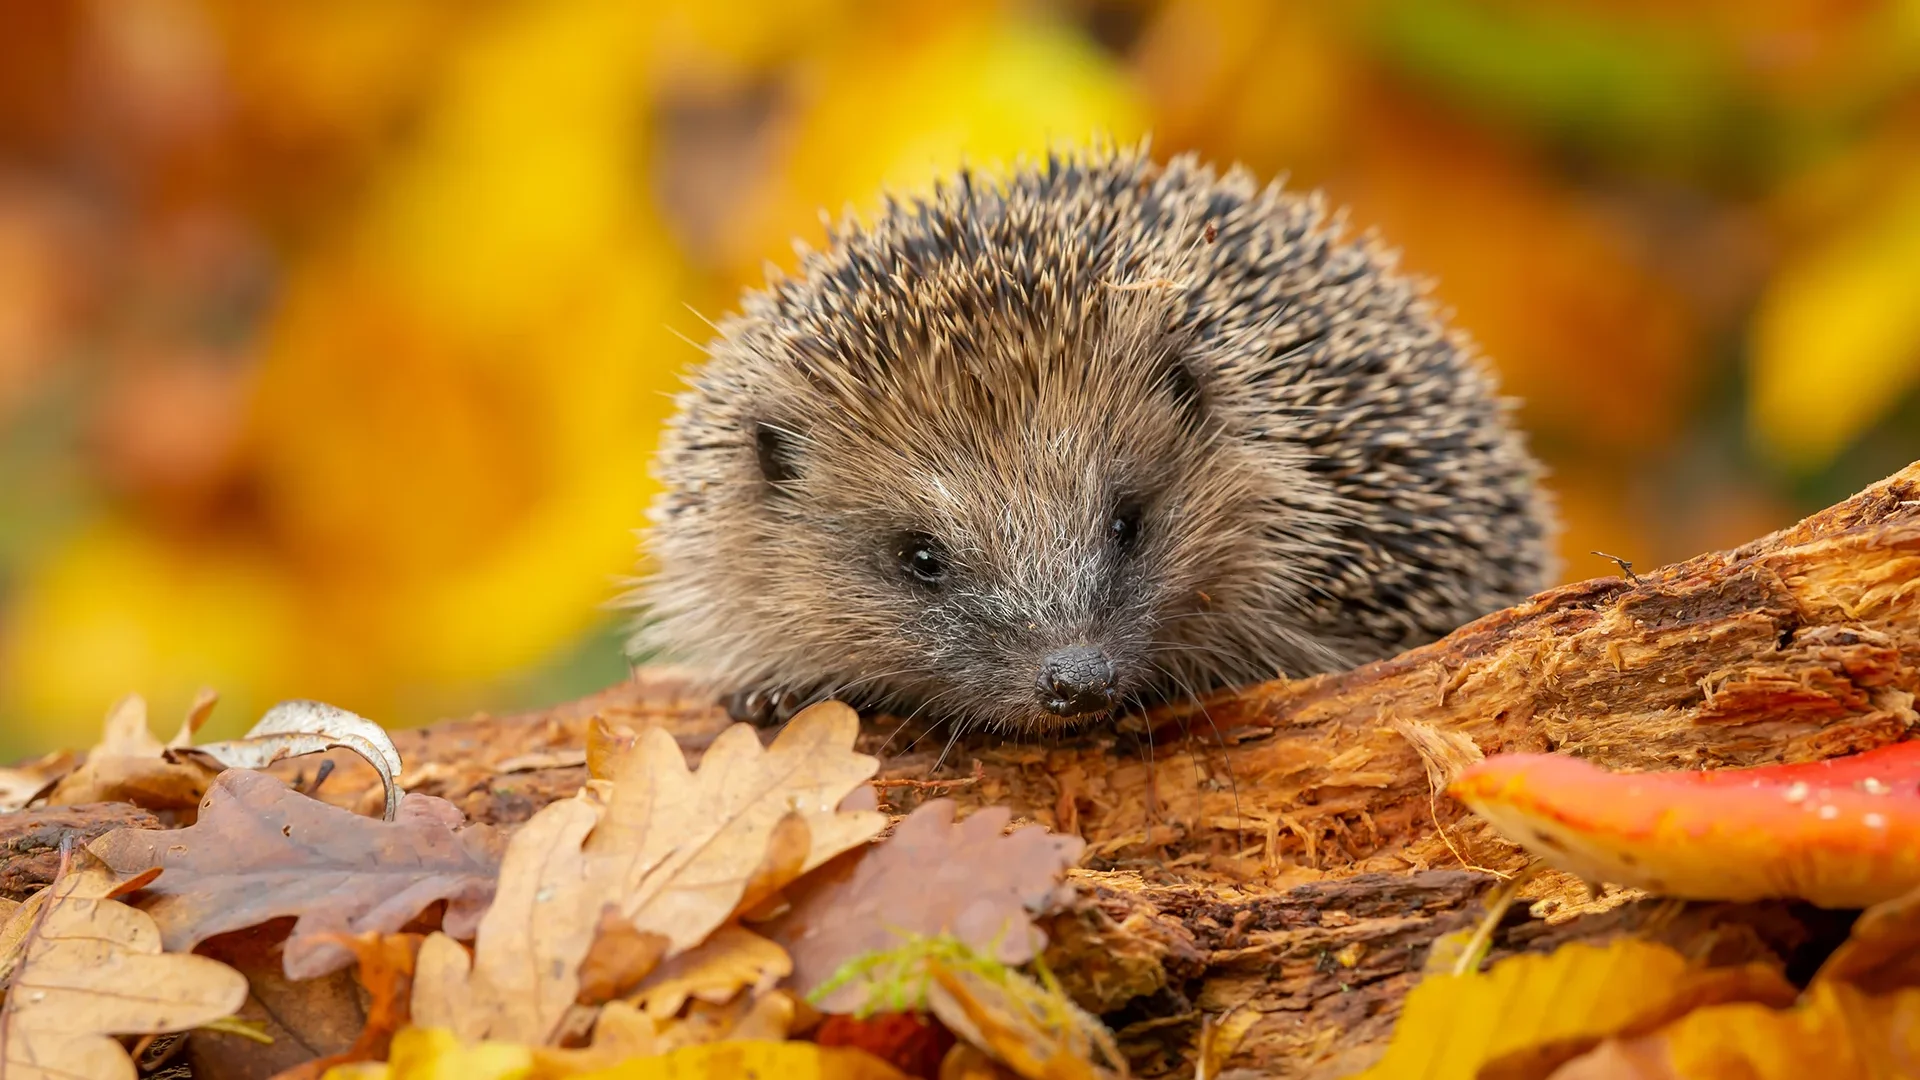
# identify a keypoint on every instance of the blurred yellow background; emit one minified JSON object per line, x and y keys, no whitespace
{"x":334,"y":337}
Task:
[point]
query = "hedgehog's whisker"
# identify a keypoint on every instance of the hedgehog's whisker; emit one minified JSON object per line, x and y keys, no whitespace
{"x":1233,"y":782}
{"x":922,"y":707}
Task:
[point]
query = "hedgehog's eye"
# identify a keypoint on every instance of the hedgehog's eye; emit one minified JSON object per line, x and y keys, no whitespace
{"x":1123,"y":530}
{"x":921,"y":557}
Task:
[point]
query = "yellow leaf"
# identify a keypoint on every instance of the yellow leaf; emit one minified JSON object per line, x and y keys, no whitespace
{"x":752,"y":1060}
{"x":89,"y":968}
{"x":437,"y":1054}
{"x":1034,"y":1030}
{"x":1836,"y":339}
{"x":1539,"y":1008}
{"x":1837,"y":1033}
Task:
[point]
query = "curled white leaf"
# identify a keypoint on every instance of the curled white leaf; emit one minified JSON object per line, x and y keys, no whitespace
{"x":293,"y":728}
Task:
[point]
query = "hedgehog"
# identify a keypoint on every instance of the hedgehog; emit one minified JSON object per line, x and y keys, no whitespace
{"x":1038,"y":447}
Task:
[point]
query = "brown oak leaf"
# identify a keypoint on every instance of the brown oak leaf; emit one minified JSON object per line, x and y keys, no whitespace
{"x":129,"y":765}
{"x":972,"y":880}
{"x":90,"y":967}
{"x":261,"y":851}
{"x":732,"y":960}
{"x":673,"y":852}
{"x":524,"y":972}
{"x":685,"y":846}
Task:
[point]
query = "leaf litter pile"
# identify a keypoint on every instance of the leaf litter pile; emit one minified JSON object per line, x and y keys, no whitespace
{"x":662,"y":920}
{"x":1650,"y":829}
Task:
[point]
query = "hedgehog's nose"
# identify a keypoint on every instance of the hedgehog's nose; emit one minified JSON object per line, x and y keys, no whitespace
{"x":1076,"y":681}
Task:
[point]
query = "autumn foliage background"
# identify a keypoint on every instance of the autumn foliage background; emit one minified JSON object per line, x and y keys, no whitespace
{"x":334,"y":338}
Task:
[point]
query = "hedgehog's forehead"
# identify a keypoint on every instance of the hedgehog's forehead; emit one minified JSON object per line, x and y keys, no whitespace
{"x":1037,"y":464}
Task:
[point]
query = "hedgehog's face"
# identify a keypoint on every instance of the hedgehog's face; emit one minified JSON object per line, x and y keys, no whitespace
{"x":1025,"y":567}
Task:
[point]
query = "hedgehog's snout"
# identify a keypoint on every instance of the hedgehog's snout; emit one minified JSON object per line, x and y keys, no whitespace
{"x":1076,"y":681}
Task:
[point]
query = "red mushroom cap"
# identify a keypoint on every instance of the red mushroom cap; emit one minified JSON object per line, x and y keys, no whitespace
{"x":1840,"y":833}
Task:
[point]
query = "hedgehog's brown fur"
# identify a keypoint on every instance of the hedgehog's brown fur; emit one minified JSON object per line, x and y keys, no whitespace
{"x":1321,"y":472}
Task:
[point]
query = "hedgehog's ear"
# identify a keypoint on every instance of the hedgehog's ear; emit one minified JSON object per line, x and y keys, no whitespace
{"x":774,"y":449}
{"x":1181,"y":380}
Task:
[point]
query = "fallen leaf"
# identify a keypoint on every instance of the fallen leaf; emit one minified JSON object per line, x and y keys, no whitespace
{"x":385,"y":970}
{"x":619,"y":958}
{"x":715,"y":971}
{"x":261,"y":851}
{"x":293,"y":728}
{"x":686,"y":845}
{"x":622,"y":1031}
{"x":544,"y":759}
{"x":910,"y":1042}
{"x":749,"y":1060}
{"x":127,"y":765}
{"x":91,"y":968}
{"x":931,"y":877}
{"x":22,"y":784}
{"x":304,"y":1019}
{"x":437,"y":1054}
{"x":1036,"y":1031}
{"x":1529,"y":1013}
{"x":130,"y":765}
{"x":524,"y":972}
{"x":1837,"y":1032}
{"x":677,"y":853}
{"x":1882,"y":951}
{"x":1859,"y":1018}
{"x":606,"y":746}
{"x":965,"y":1061}
{"x":764,"y":1016}
{"x":1839,"y":833}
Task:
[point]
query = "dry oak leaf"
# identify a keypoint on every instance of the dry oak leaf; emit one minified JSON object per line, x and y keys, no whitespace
{"x":262,"y":851}
{"x":686,"y":846}
{"x":128,"y":764}
{"x":20,"y":785}
{"x":1840,"y":833}
{"x":715,"y":971}
{"x":524,"y":972}
{"x":674,"y":852}
{"x":1036,"y":1031}
{"x":973,"y":881}
{"x":91,"y":967}
{"x":293,"y":728}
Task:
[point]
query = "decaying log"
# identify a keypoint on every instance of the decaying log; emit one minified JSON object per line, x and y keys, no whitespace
{"x":30,"y":840}
{"x":1283,"y":854}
